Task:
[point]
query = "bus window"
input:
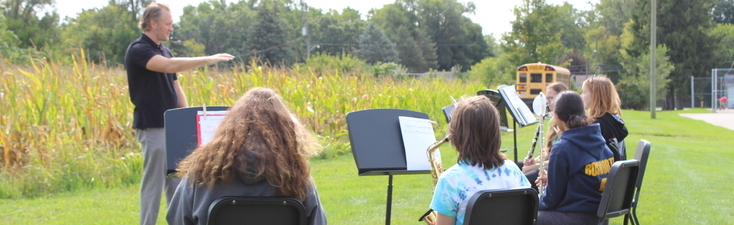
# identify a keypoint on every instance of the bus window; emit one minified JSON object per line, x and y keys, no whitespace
{"x":536,"y":78}
{"x":523,"y":77}
{"x":548,"y":77}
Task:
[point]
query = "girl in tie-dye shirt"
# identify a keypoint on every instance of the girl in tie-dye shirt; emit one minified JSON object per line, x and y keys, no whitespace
{"x":474,"y":132}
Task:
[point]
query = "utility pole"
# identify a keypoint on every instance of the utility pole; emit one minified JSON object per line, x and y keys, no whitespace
{"x":304,"y":31}
{"x":653,"y":47}
{"x":597,"y":68}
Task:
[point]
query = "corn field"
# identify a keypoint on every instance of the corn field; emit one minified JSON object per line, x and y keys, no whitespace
{"x":65,"y":128}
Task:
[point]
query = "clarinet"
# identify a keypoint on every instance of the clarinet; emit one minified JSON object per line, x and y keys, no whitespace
{"x":542,"y":160}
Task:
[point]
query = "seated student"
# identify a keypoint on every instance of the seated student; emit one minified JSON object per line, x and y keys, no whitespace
{"x":474,"y":131}
{"x":577,"y":168}
{"x":530,"y":165}
{"x":602,"y":101}
{"x":259,"y":149}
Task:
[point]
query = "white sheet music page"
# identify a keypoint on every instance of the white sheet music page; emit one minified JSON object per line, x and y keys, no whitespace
{"x":206,"y":125}
{"x":517,"y":105}
{"x":417,"y":137}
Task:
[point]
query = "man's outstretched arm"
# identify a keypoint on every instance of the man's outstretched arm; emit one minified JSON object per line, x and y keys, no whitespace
{"x":177,"y":64}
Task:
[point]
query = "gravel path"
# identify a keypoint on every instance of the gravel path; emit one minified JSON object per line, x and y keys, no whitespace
{"x":722,"y":118}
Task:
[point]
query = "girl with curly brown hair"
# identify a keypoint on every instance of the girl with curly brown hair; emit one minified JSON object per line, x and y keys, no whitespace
{"x":259,"y":149}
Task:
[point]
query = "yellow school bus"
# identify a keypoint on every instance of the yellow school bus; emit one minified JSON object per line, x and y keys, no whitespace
{"x":533,"y":77}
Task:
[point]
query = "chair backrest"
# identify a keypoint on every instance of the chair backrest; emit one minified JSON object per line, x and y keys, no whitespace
{"x":503,"y":206}
{"x":619,"y":190}
{"x":641,"y":154}
{"x":256,"y":210}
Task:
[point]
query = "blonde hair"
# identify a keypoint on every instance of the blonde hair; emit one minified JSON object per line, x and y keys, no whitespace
{"x":154,"y":11}
{"x":259,"y":135}
{"x":604,"y":97}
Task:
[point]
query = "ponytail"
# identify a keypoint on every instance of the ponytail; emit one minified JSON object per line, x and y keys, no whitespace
{"x":575,"y":121}
{"x":570,"y":109}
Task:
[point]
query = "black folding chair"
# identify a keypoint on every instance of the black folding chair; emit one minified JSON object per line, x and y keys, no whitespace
{"x":256,"y":210}
{"x":503,"y":206}
{"x":619,"y":190}
{"x":641,"y":154}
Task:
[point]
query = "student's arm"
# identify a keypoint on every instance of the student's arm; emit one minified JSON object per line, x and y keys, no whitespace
{"x":177,"y":64}
{"x":442,"y":219}
{"x":443,"y":201}
{"x":182,"y":102}
{"x":557,"y":173}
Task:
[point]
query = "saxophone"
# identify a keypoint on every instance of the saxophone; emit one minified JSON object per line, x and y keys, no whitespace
{"x":436,"y":170}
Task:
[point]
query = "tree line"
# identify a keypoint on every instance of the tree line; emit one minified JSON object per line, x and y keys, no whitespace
{"x":419,"y":35}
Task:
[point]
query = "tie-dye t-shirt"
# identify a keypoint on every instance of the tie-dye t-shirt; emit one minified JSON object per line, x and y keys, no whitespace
{"x":458,"y":183}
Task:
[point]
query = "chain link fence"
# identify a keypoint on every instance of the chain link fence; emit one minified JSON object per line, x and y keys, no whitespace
{"x":706,"y":91}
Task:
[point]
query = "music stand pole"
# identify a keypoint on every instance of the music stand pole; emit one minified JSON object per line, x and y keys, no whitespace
{"x":514,"y":135}
{"x":389,"y":201}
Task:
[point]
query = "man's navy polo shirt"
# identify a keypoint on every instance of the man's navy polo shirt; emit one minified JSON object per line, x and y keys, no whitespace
{"x":151,"y":92}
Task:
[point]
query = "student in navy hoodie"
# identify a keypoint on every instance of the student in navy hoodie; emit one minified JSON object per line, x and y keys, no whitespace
{"x":577,"y":168}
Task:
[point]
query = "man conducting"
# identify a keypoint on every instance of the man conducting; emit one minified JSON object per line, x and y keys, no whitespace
{"x":154,"y":88}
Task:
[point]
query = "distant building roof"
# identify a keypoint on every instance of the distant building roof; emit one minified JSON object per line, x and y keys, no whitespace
{"x":578,"y":80}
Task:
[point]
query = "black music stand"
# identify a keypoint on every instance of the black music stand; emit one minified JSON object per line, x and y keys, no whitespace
{"x":377,"y":145}
{"x":505,"y":99}
{"x":499,"y":103}
{"x":180,"y":128}
{"x":447,"y":110}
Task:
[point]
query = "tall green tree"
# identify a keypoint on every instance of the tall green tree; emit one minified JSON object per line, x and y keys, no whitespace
{"x":32,"y":31}
{"x":724,"y":11}
{"x":684,"y":27}
{"x":336,"y":33}
{"x":613,"y":14}
{"x":458,"y":40}
{"x":267,"y":39}
{"x":217,"y":26}
{"x":375,"y":47}
{"x":606,"y":24}
{"x":102,"y":33}
{"x":724,"y":32}
{"x":136,"y":7}
{"x":494,"y":71}
{"x":493,"y":46}
{"x":602,"y":52}
{"x":634,"y":88}
{"x":400,"y":22}
{"x":535,"y":36}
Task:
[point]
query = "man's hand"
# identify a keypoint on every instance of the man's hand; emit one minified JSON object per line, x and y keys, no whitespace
{"x":219,"y":58}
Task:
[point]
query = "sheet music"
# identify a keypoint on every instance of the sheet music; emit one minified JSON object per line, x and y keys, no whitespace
{"x":417,"y":137}
{"x":206,"y":125}
{"x":517,"y":106}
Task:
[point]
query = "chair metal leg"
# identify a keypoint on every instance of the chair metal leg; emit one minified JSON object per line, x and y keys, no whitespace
{"x":633,"y":216}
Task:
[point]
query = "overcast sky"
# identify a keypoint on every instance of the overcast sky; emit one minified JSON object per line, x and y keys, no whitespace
{"x":493,"y":15}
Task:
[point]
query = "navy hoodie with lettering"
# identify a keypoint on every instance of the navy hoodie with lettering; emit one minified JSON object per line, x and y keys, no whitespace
{"x":577,"y":169}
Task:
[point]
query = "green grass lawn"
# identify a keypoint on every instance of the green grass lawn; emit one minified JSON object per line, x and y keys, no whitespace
{"x":685,"y":183}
